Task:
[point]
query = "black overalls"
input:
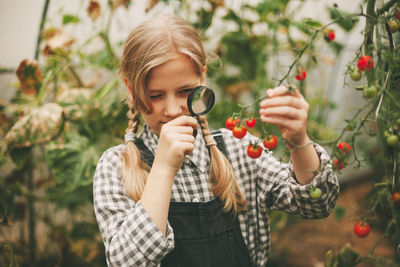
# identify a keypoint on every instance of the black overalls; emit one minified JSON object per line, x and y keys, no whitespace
{"x":204,"y":235}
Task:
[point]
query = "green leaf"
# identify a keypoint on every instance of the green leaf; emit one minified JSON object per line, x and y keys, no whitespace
{"x":336,"y":47}
{"x":347,"y":23}
{"x":311,"y":23}
{"x":339,"y":212}
{"x":68,"y":18}
{"x":19,"y":155}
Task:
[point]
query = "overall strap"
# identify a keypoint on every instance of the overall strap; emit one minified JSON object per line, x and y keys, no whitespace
{"x":145,"y":153}
{"x":217,"y":134}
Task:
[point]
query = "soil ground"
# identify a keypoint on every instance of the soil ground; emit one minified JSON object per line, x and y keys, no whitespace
{"x":305,"y":242}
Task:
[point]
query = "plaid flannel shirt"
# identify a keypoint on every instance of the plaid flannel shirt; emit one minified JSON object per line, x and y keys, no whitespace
{"x":131,"y":238}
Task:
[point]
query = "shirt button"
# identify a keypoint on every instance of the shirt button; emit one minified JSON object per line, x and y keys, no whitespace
{"x":195,"y":200}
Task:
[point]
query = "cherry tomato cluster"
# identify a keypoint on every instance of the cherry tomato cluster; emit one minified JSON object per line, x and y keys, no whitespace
{"x":392,"y":135}
{"x":301,"y":76}
{"x":393,"y":24}
{"x":343,"y":152}
{"x":361,"y":229}
{"x":344,"y":147}
{"x":365,"y":63}
{"x":239,"y":130}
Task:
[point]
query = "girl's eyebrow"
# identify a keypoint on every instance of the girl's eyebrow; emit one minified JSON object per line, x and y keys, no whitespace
{"x":192,"y":85}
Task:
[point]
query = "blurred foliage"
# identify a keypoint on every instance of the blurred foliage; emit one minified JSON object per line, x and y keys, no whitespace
{"x":61,"y":120}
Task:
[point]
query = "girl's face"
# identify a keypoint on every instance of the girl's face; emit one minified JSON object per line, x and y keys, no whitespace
{"x":168,"y":87}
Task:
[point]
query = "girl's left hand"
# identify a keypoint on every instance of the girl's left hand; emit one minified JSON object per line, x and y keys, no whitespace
{"x":289,"y":111}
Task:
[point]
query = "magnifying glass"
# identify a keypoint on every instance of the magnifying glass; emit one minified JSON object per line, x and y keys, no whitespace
{"x":200,"y":101}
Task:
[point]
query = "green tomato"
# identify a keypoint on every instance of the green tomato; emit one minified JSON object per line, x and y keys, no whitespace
{"x":355,"y":74}
{"x":392,"y":140}
{"x":370,"y":91}
{"x":394,"y":26}
{"x":315,"y":193}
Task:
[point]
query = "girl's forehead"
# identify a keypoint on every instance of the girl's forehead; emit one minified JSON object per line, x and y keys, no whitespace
{"x":177,"y":70}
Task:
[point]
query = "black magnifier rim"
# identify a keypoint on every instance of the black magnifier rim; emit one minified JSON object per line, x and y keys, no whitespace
{"x":191,"y":96}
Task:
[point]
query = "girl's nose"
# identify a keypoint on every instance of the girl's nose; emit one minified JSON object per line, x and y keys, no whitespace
{"x":173,"y":107}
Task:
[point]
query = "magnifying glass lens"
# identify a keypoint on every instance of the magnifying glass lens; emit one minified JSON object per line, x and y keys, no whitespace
{"x":200,"y":101}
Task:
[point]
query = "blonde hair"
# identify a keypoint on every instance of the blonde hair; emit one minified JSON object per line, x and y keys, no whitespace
{"x":149,"y":45}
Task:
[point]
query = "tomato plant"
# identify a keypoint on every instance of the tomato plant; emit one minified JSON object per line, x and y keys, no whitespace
{"x":239,"y":131}
{"x":361,"y":229}
{"x":270,"y":142}
{"x":254,"y":151}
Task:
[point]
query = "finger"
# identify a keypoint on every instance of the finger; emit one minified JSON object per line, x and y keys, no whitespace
{"x":283,"y":101}
{"x":284,"y":111}
{"x":284,"y":123}
{"x":183,"y":120}
{"x":280,"y":90}
{"x":185,"y":138}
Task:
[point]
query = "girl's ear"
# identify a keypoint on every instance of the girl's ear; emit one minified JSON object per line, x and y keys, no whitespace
{"x":204,"y":75}
{"x":127,"y":84}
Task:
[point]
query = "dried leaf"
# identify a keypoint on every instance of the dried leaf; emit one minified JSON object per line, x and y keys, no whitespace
{"x":56,"y":39}
{"x":117,"y":3}
{"x":75,"y":102}
{"x":93,"y":9}
{"x":218,"y":3}
{"x":29,"y":76}
{"x":151,"y":4}
{"x":38,"y":125}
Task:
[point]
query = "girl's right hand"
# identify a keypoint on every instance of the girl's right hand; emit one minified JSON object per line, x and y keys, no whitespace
{"x":176,"y":140}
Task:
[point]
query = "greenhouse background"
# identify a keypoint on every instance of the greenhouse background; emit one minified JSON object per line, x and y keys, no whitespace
{"x":46,"y":175}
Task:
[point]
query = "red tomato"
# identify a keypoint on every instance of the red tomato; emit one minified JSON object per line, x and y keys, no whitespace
{"x":361,"y":229}
{"x":398,"y":15}
{"x":251,"y":122}
{"x":338,"y":164}
{"x":396,"y":198}
{"x":254,"y":151}
{"x":329,"y":35}
{"x":270,"y":141}
{"x":239,"y":131}
{"x":230,"y":123}
{"x":365,"y":63}
{"x":301,"y":76}
{"x":344,"y":147}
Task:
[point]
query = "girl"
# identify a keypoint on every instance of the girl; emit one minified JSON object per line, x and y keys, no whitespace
{"x":169,"y":198}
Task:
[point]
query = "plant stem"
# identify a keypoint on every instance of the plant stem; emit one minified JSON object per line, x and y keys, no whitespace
{"x":39,"y":38}
{"x":386,"y":7}
{"x":369,"y":35}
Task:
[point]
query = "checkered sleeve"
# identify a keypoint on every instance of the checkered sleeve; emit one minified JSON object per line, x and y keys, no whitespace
{"x":130,"y":237}
{"x":281,"y":191}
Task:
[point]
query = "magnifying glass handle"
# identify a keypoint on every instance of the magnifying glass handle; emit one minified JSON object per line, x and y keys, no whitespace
{"x":194,"y":132}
